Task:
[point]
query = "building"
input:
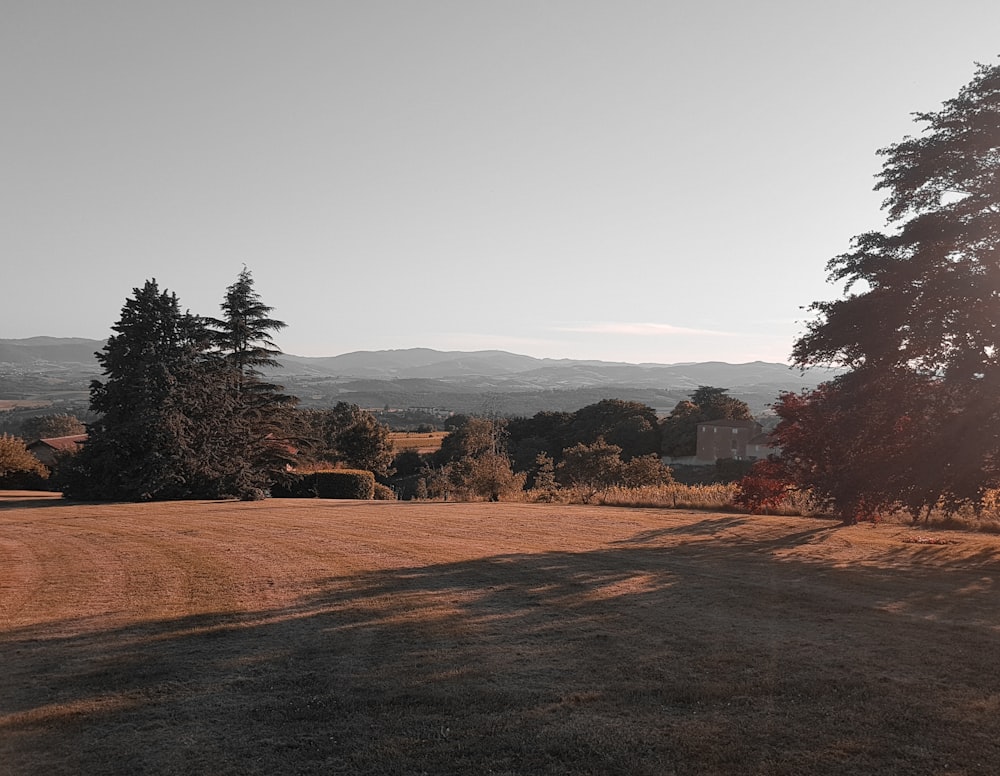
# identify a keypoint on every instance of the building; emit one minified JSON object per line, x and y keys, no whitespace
{"x":48,"y":450}
{"x":729,"y":439}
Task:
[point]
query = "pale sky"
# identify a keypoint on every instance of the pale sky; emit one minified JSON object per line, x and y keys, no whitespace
{"x":618,"y":180}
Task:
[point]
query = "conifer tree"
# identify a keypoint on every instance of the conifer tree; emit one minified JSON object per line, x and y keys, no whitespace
{"x":137,"y":450}
{"x":262,"y":416}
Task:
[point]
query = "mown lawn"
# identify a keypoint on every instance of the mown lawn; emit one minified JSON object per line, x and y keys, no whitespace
{"x":310,"y":637}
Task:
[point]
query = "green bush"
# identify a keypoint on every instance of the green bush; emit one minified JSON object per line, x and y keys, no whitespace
{"x":338,"y":483}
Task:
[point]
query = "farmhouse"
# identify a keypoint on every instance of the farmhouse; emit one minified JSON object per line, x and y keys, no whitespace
{"x":47,"y":450}
{"x":739,"y":439}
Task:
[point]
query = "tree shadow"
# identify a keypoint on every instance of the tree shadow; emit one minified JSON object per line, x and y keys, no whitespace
{"x":630,"y":659}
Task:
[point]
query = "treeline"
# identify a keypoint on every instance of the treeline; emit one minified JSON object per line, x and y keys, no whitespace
{"x":183,"y":411}
{"x":612,"y":443}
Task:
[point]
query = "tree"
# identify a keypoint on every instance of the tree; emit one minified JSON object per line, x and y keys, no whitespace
{"x":175,"y":420}
{"x":591,"y":468}
{"x":679,"y":431}
{"x":243,"y":334}
{"x":917,"y":329}
{"x":48,"y":426}
{"x":544,"y":485}
{"x":15,"y":458}
{"x":136,"y":449}
{"x":365,"y":444}
{"x":630,"y":425}
{"x":261,"y":415}
{"x":645,"y":471}
{"x":346,"y":434}
{"x":475,"y":459}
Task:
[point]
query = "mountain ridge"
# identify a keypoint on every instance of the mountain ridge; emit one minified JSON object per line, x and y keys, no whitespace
{"x":423,"y":377}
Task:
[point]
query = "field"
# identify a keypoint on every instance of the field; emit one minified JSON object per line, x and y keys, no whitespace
{"x":421,"y":442}
{"x":308,"y":637}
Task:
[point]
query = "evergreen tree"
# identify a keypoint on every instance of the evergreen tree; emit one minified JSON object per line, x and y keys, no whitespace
{"x":137,"y":450}
{"x":244,"y":333}
{"x":261,"y":419}
{"x":175,"y":418}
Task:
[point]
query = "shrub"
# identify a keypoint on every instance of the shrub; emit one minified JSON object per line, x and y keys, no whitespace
{"x":384,"y":492}
{"x":338,"y":483}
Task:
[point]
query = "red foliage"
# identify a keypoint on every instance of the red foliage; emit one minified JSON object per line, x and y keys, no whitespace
{"x":764,"y":488}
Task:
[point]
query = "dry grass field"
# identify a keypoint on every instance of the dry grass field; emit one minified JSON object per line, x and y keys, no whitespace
{"x":308,"y":637}
{"x":419,"y":441}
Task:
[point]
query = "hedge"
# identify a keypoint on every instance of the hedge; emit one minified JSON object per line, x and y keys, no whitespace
{"x":338,"y":483}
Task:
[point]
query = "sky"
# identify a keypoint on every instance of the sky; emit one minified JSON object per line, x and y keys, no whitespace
{"x":620,"y":180}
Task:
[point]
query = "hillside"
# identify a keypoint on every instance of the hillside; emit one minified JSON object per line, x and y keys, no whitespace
{"x":460,"y":381}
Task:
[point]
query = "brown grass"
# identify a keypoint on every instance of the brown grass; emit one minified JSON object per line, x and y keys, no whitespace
{"x":420,"y":442}
{"x":309,"y":637}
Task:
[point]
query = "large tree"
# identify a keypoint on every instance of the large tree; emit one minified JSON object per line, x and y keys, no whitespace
{"x":174,"y":418}
{"x":262,"y":416}
{"x":921,"y":312}
{"x":137,"y":449}
{"x":244,"y":333}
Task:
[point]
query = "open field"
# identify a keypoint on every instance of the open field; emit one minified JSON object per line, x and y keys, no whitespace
{"x":308,"y":637}
{"x":421,"y":442}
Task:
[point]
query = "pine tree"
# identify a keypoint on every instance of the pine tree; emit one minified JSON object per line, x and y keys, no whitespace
{"x":244,"y":333}
{"x":137,"y":448}
{"x":261,"y":418}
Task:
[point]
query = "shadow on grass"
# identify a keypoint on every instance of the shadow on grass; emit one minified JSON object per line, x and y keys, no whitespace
{"x":637,"y":659}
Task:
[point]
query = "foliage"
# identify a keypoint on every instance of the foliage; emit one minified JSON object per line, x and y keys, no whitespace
{"x":331,"y":484}
{"x":679,"y":431}
{"x":15,"y":458}
{"x":49,"y":426}
{"x":473,"y":463}
{"x":243,"y":334}
{"x":383,"y":493}
{"x":591,"y":468}
{"x":177,"y":419}
{"x":544,"y":485}
{"x":629,"y":425}
{"x":346,"y":434}
{"x":645,"y":471}
{"x":917,"y":330}
{"x":763,"y":489}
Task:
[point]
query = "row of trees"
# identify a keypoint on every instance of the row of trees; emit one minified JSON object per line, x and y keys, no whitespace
{"x":914,"y":421}
{"x":184,"y":410}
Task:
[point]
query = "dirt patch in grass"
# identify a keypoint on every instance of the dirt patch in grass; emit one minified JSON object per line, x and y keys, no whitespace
{"x":311,"y":637}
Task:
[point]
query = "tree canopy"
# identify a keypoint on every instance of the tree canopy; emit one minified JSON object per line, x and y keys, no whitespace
{"x":179,"y":415}
{"x":918,"y":328}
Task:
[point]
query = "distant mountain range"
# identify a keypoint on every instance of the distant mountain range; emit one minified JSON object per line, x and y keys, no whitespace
{"x":425,"y":377}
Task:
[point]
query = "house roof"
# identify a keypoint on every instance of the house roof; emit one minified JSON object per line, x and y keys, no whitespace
{"x":60,"y":443}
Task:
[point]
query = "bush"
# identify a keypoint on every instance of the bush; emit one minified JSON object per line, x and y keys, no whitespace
{"x":338,"y":483}
{"x":384,"y":492}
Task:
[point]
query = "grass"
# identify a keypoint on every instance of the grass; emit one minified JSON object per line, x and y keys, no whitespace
{"x":420,"y":442}
{"x":406,"y":638}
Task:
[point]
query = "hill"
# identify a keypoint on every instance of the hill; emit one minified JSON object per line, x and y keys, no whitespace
{"x":451,"y":381}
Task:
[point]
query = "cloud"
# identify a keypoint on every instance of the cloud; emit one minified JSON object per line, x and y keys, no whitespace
{"x":642,"y":329}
